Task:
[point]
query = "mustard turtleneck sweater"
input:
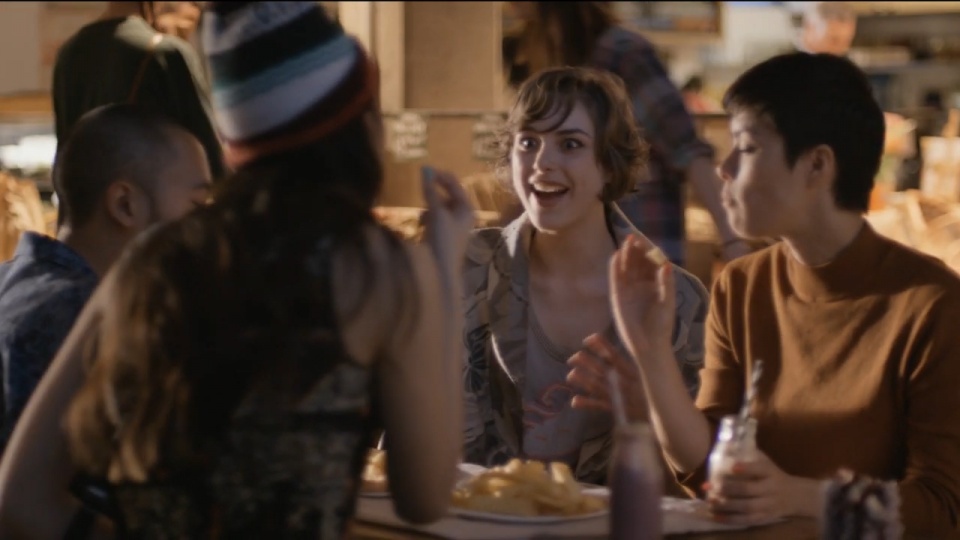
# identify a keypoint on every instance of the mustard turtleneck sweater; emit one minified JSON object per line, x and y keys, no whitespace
{"x":861,"y":368}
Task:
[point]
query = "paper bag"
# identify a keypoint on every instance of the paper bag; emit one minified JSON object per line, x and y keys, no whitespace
{"x":940,"y":177}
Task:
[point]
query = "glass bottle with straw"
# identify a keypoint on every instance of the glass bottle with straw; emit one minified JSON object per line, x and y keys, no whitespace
{"x":635,"y":478}
{"x":737,"y":438}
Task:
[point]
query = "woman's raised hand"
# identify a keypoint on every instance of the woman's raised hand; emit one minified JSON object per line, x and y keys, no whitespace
{"x":449,"y":217}
{"x":642,"y":296}
{"x":588,"y":377}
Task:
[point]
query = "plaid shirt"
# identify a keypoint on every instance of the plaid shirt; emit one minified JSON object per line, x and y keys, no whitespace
{"x":657,"y":206}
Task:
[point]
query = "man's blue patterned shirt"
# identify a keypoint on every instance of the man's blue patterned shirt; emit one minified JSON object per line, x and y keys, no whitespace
{"x":42,"y":291}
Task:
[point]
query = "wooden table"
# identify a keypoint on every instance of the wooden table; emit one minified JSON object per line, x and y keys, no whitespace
{"x":794,"y":529}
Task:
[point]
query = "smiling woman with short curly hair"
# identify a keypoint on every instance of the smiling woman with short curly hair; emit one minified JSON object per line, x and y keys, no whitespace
{"x":536,"y":288}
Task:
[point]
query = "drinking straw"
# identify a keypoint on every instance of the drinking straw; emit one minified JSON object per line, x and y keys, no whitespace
{"x":751,"y":394}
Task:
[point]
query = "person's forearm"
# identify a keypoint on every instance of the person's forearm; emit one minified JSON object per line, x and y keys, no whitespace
{"x":25,"y":522}
{"x":450,"y":272}
{"x":702,"y":176}
{"x":807,"y":495}
{"x":680,"y":427}
{"x":451,"y":287}
{"x":36,"y":468}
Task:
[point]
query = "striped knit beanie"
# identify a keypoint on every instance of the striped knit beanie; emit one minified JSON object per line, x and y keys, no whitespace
{"x":283,"y":75}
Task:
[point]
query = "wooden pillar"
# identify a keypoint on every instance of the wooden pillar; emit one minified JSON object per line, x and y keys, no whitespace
{"x":357,"y":19}
{"x":452,"y":55}
{"x":434,"y":56}
{"x":390,"y":52}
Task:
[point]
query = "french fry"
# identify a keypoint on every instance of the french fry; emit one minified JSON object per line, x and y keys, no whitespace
{"x":560,"y":473}
{"x":527,"y":488}
{"x":657,"y":257}
{"x":374,"y":478}
{"x":655,"y":254}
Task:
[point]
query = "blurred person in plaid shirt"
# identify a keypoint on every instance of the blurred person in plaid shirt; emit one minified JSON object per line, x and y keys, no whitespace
{"x":588,"y":34}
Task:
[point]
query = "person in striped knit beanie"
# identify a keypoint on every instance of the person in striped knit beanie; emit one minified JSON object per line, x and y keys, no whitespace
{"x":242,"y":358}
{"x":283,"y":75}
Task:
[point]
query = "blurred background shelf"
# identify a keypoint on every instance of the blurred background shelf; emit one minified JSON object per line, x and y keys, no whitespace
{"x":27,"y":139}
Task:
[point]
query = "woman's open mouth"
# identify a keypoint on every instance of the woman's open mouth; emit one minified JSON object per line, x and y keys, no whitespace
{"x":547,"y":194}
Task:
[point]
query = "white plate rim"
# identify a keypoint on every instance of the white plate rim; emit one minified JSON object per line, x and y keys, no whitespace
{"x":528,"y":520}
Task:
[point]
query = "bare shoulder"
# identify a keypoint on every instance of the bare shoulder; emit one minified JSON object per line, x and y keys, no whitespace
{"x":396,"y":262}
{"x":375,"y":290}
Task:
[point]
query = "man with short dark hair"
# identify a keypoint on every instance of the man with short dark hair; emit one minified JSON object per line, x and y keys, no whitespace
{"x":121,"y":170}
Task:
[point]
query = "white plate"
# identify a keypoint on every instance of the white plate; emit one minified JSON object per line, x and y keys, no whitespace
{"x":531,"y":520}
{"x":464,"y":472}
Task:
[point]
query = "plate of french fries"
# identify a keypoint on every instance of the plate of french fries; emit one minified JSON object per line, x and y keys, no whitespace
{"x":373,"y":481}
{"x":526,"y":491}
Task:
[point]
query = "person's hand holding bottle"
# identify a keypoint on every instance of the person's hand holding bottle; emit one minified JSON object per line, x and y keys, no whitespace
{"x":757,"y":490}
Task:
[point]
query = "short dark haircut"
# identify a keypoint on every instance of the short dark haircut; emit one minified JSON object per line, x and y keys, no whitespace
{"x":618,"y":146}
{"x":815,"y":99}
{"x":107,"y":144}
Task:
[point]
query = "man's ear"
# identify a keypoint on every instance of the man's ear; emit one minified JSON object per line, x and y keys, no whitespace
{"x":822,"y":167}
{"x":125,"y":203}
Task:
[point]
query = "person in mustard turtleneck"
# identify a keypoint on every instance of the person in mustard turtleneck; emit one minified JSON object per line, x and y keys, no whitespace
{"x":857,"y":333}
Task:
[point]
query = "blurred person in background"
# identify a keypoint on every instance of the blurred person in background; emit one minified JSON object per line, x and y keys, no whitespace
{"x":120,"y":171}
{"x":696,"y":100}
{"x":931,"y":118}
{"x":178,"y":19}
{"x":122,"y":58}
{"x":588,"y":34}
{"x":830,"y":28}
{"x":827,"y":27}
{"x":241,"y":358}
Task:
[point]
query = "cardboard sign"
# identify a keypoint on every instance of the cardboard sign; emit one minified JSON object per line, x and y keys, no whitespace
{"x":407,"y":137}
